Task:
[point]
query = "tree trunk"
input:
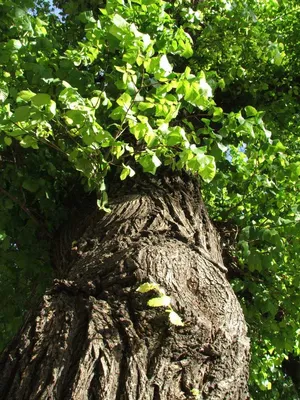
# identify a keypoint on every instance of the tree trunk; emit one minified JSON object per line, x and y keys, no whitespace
{"x":94,"y":337}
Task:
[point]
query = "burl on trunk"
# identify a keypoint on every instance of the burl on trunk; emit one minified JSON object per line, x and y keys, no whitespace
{"x":94,"y":337}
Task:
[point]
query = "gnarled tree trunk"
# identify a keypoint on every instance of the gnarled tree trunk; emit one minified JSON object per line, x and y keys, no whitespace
{"x":94,"y":337}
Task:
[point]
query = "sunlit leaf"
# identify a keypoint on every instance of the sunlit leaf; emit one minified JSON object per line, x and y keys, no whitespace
{"x":162,"y":301}
{"x":147,"y":287}
{"x":175,"y":319}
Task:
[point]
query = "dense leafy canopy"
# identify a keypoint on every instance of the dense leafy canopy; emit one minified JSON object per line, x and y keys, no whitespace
{"x":134,"y":85}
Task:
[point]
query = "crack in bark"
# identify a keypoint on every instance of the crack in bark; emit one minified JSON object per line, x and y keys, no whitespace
{"x":121,"y":393}
{"x":94,"y":387}
{"x":77,"y":348}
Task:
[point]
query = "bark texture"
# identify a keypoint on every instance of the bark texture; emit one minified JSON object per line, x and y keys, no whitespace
{"x":94,"y":337}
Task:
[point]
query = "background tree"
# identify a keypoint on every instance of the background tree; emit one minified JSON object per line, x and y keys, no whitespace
{"x":152,"y":87}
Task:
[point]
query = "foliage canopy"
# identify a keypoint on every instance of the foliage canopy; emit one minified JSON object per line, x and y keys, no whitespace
{"x":133,"y":85}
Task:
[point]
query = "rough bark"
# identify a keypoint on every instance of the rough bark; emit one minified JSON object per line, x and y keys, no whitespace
{"x":94,"y":337}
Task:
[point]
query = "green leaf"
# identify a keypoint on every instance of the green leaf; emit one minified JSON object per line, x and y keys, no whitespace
{"x":142,"y":106}
{"x":218,"y":114}
{"x":207,"y":168}
{"x":294,"y":171}
{"x":271,"y":236}
{"x":221,"y":84}
{"x":162,"y":301}
{"x":3,"y":92}
{"x":119,"y":21}
{"x":196,"y":394}
{"x":222,"y":147}
{"x":203,"y":164}
{"x":176,"y":135}
{"x":255,"y":261}
{"x":165,"y":65}
{"x":95,"y":101}
{"x":149,"y":162}
{"x":86,"y":16}
{"x":22,"y":113}
{"x":102,"y":203}
{"x":124,"y":101}
{"x":25,"y":95}
{"x":16,"y":132}
{"x":14,"y":44}
{"x":126,"y":171}
{"x":247,"y":128}
{"x":159,"y":66}
{"x":175,"y":319}
{"x":70,"y":96}
{"x":117,"y":114}
{"x":140,"y":129}
{"x":41,"y":99}
{"x":29,"y":141}
{"x":51,"y":108}
{"x":119,"y":27}
{"x":243,"y":244}
{"x":147,"y":287}
{"x":5,"y":245}
{"x":8,"y":140}
{"x":75,"y":117}
{"x":30,"y":185}
{"x":250,"y":111}
{"x":204,"y":86}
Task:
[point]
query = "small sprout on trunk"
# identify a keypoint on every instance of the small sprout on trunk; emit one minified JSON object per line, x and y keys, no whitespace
{"x":161,"y":301}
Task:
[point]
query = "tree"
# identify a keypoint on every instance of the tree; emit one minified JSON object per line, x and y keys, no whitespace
{"x":117,"y":118}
